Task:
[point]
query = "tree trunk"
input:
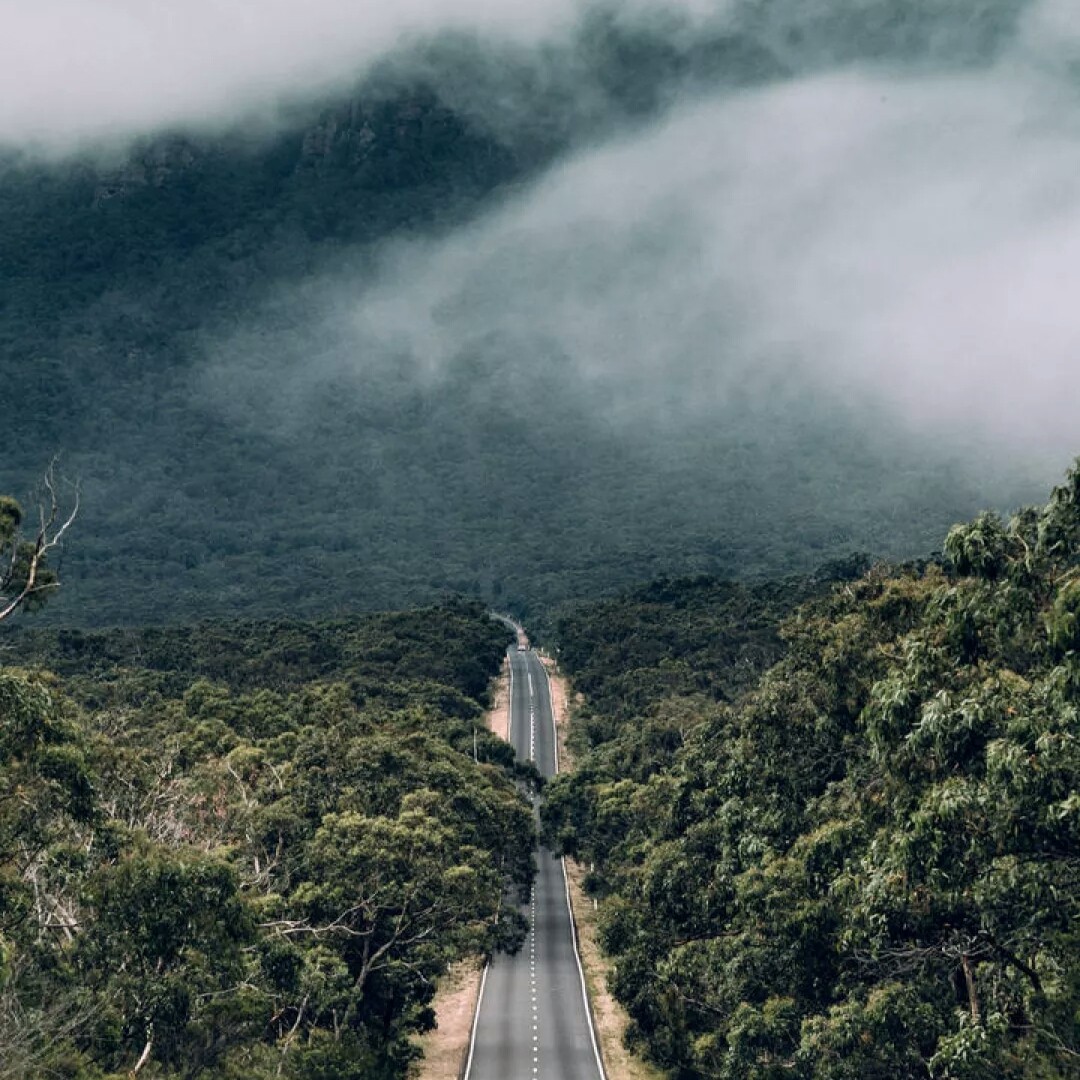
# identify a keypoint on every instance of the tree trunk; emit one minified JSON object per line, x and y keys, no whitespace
{"x":969,"y":980}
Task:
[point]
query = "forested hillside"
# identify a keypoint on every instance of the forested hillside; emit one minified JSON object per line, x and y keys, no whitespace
{"x":866,"y":861}
{"x":248,"y":850}
{"x":181,"y":317}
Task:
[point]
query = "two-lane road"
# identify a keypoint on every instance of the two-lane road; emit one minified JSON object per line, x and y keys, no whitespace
{"x":532,"y":1022}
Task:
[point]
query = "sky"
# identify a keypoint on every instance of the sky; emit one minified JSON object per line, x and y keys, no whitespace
{"x":897,"y":217}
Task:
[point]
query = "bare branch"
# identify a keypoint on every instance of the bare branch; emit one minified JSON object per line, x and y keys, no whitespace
{"x":53,"y":524}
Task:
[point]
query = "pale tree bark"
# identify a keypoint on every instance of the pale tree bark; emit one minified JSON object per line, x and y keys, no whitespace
{"x":144,"y":1057}
{"x":22,"y":574}
{"x":969,"y":981}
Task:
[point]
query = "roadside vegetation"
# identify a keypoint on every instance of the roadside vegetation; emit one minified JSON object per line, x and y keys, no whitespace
{"x":863,"y":861}
{"x":248,"y":850}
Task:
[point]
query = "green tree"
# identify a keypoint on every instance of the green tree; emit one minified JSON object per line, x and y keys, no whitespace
{"x":869,"y":865}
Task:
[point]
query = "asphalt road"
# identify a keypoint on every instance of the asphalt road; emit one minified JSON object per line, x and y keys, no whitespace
{"x":533,"y":1022}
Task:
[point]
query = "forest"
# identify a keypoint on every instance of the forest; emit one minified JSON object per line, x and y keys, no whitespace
{"x":835,"y":827}
{"x":831,"y":821}
{"x":178,"y":322}
{"x":240,"y":850}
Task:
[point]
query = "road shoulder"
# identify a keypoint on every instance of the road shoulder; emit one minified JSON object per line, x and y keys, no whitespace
{"x":445,"y":1046}
{"x":497,"y":717}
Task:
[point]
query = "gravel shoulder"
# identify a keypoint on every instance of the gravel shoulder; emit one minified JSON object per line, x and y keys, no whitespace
{"x":446,"y":1046}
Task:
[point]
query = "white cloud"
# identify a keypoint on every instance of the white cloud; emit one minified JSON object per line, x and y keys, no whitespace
{"x":74,"y":70}
{"x":901,"y":231}
{"x":910,"y":237}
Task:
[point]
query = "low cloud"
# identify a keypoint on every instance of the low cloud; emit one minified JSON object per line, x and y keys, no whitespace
{"x":75,"y":73}
{"x":72,"y":71}
{"x":885,"y":235}
{"x":896,"y":217}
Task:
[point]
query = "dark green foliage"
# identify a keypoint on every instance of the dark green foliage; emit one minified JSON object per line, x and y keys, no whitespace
{"x":171,"y":319}
{"x":681,"y":636}
{"x":869,"y":865}
{"x":446,"y":644}
{"x":249,"y":850}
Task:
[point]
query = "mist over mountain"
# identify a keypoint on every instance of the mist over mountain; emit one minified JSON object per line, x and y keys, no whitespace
{"x":362,"y":308}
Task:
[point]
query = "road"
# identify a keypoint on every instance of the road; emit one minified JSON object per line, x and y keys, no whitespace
{"x":532,"y":1022}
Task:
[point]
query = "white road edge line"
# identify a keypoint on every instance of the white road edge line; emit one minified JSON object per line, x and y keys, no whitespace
{"x":510,"y":702}
{"x":569,"y":905}
{"x":551,"y":712}
{"x":476,"y":1020}
{"x":581,"y":974}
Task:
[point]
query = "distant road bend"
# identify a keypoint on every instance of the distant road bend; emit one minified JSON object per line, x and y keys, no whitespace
{"x":532,"y":1021}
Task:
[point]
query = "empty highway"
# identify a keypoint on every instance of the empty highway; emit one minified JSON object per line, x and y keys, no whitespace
{"x":532,"y":1022}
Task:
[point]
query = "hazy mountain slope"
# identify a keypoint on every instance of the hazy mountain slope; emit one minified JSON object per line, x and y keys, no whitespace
{"x":178,"y":320}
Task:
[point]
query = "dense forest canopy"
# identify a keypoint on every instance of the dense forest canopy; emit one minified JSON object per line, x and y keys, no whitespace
{"x":864,"y":861}
{"x":227,"y":329}
{"x":247,"y":850}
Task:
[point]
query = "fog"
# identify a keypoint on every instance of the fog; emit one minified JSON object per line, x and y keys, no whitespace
{"x":903,"y":235}
{"x":563,"y":297}
{"x":887,"y":210}
{"x":75,"y":73}
{"x":75,"y":70}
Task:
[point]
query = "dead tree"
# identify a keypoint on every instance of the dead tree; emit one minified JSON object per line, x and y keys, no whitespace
{"x":25,"y":576}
